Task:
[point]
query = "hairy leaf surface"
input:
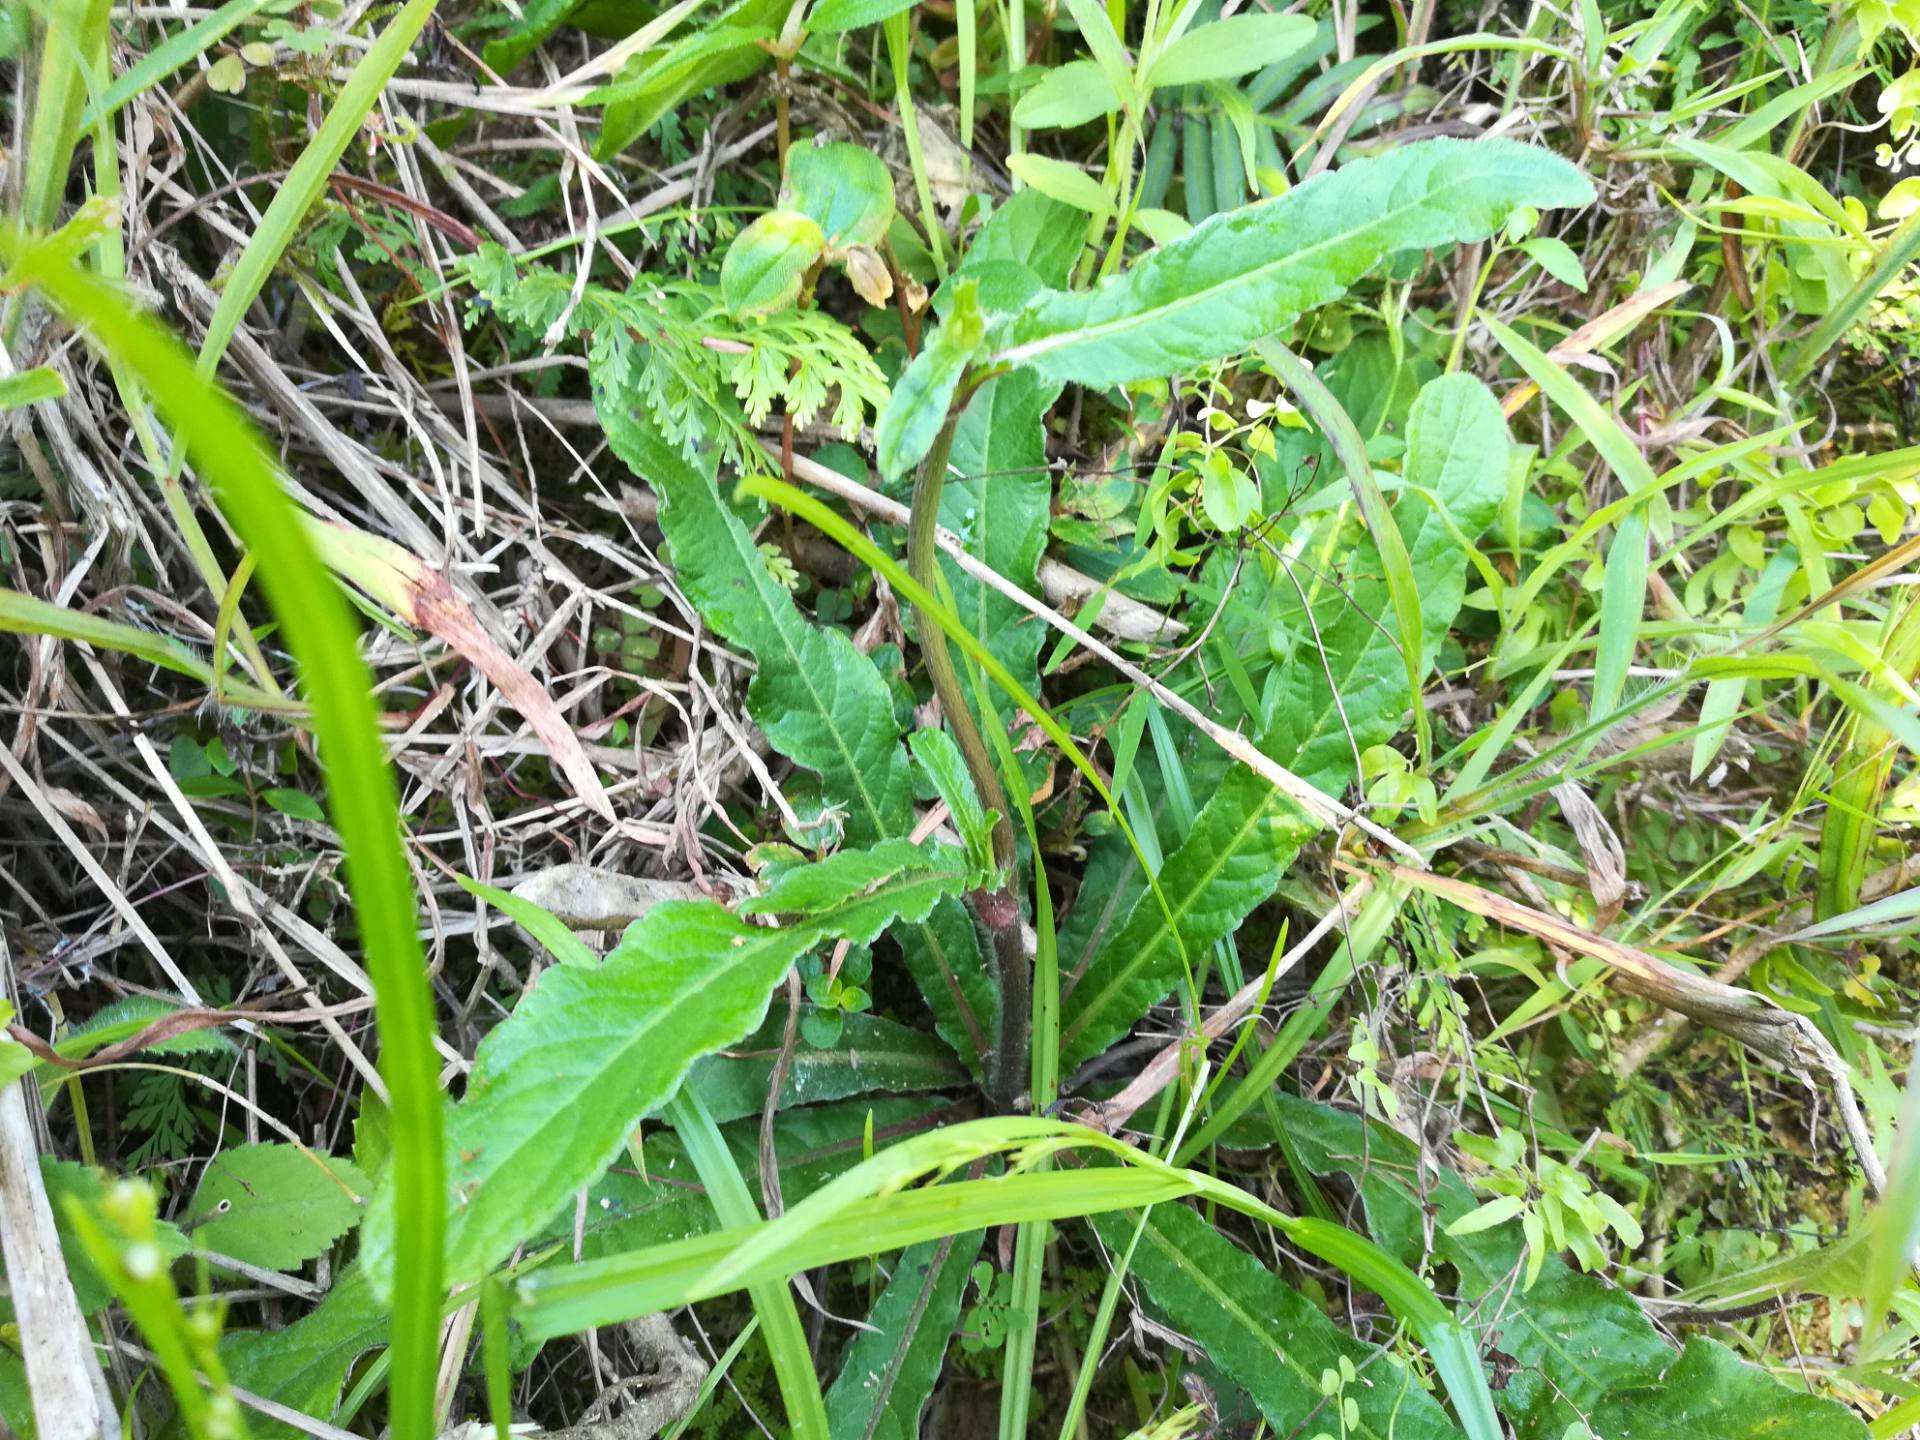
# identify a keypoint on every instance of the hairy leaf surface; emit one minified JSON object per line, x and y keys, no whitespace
{"x":276,"y":1205}
{"x":304,"y":1365}
{"x":873,"y":1054}
{"x":1710,"y":1391}
{"x":889,"y":1371}
{"x":1242,"y":275}
{"x":996,"y":500}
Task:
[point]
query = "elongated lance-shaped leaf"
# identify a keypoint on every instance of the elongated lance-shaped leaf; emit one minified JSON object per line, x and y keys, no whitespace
{"x":820,"y":701}
{"x":922,"y":395}
{"x":1351,"y":692}
{"x":873,"y":1055}
{"x":889,"y":1371}
{"x":1240,"y":846}
{"x":1269,"y":1339}
{"x":1245,"y":274}
{"x":997,"y":500}
{"x":557,"y":1088}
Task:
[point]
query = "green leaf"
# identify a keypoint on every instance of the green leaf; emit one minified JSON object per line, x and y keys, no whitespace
{"x":1241,"y":844}
{"x":1265,"y":1336}
{"x":846,"y":189}
{"x":1227,"y":49}
{"x":921,"y":397}
{"x":1709,"y":1393}
{"x":1606,"y":434}
{"x":1623,"y":601}
{"x":1496,"y":1211}
{"x":127,"y":1017}
{"x":1352,"y":693}
{"x":29,"y":387}
{"x":554,"y":937}
{"x":820,"y":702}
{"x":1033,"y":231}
{"x":872,"y":1055}
{"x":1573,"y":1339}
{"x":1096,"y":28}
{"x":942,"y":954}
{"x":587,"y":1053}
{"x":304,"y":1365}
{"x":850,"y":892}
{"x":773,"y":1303}
{"x":295,"y":804}
{"x":1723,"y":696}
{"x":537,"y":20}
{"x":998,"y":499}
{"x":1243,"y":275}
{"x":889,"y":1371}
{"x":939,"y":756}
{"x":832,"y":17}
{"x":697,"y":65}
{"x":768,"y":261}
{"x":168,"y":56}
{"x":1556,"y":257}
{"x":215,"y":436}
{"x":1067,"y":95}
{"x":295,"y":195}
{"x":67,"y":1182}
{"x":275,"y":1205}
{"x":29,"y":615}
{"x":1066,"y":183}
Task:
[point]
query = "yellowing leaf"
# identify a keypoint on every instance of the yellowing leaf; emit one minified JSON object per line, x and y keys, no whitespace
{"x":227,"y":75}
{"x":768,"y":261}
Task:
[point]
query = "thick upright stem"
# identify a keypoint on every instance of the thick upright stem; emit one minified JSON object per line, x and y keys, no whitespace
{"x":996,"y":908}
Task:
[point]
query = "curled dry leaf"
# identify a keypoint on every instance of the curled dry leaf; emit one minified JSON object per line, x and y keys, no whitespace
{"x":422,"y":597}
{"x":583,"y":897}
{"x":869,"y":274}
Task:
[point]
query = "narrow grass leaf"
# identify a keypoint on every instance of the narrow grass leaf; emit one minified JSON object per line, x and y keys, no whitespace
{"x":361,"y":796}
{"x":309,"y":177}
{"x":772,"y":1297}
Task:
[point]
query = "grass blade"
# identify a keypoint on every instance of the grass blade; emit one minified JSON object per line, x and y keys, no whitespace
{"x":361,"y":797}
{"x":773,"y":1298}
{"x":309,"y":177}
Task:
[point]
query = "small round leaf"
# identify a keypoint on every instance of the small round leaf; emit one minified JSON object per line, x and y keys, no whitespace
{"x":768,"y":261}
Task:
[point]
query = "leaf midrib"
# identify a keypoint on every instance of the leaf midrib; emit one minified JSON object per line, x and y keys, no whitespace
{"x":1092,"y":334}
{"x":590,"y":1077}
{"x":796,"y":665}
{"x":1169,"y":923}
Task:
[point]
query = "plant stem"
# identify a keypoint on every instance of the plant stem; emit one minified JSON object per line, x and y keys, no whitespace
{"x":995,"y":908}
